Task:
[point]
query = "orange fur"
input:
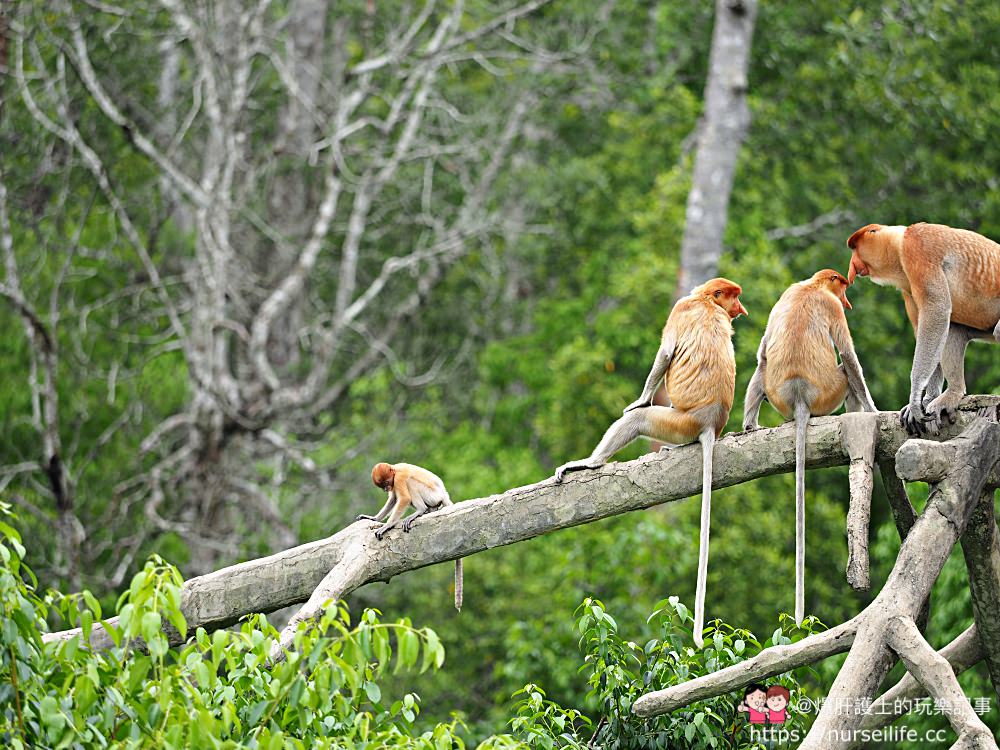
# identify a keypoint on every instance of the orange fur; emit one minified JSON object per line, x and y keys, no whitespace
{"x":802,"y":328}
{"x":702,"y":373}
{"x":908,"y":260}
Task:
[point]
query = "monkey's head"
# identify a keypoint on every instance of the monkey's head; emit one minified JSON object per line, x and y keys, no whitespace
{"x":724,"y":293}
{"x":876,"y":250}
{"x":383,"y":476}
{"x":833,"y":282}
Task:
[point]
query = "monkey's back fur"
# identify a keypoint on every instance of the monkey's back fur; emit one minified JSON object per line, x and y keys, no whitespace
{"x":802,"y":361}
{"x":703,"y":370}
{"x":975,"y":288}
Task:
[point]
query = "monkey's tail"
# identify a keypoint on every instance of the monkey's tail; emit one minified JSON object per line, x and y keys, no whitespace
{"x":459,"y":584}
{"x":801,"y":422}
{"x":707,"y":439}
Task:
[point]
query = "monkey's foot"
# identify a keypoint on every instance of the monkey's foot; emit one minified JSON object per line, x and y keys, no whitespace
{"x":917,"y":423}
{"x":572,"y":466}
{"x":639,"y":403}
{"x":944,"y":409}
{"x":363,"y":517}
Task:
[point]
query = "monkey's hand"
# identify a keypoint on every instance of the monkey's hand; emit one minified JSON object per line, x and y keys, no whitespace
{"x":639,"y":403}
{"x":363,"y":517}
{"x":751,"y":425}
{"x":917,"y":422}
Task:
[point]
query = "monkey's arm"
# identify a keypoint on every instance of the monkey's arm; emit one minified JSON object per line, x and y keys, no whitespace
{"x":936,"y":383}
{"x":660,"y":366}
{"x":381,"y":515}
{"x":859,"y":397}
{"x":402,"y":495}
{"x":933,"y":299}
{"x":755,"y":390}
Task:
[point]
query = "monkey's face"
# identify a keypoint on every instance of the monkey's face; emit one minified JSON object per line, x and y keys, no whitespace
{"x":724,"y":293}
{"x":383,"y":476}
{"x":868,"y":250}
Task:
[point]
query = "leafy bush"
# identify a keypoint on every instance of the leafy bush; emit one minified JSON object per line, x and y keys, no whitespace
{"x":218,"y":691}
{"x":620,"y":671}
{"x":221,"y":691}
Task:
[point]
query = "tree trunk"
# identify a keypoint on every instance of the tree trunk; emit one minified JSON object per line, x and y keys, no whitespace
{"x":721,"y":131}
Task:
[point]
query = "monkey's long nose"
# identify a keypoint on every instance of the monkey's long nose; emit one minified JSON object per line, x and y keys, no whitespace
{"x":740,"y":310}
{"x":858,"y":268}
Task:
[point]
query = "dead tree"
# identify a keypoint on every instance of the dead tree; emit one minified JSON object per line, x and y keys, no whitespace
{"x":319,"y":173}
{"x":720,"y":134}
{"x":962,"y":470}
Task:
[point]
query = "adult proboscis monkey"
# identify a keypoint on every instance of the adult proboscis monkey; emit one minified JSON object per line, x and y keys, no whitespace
{"x":950,"y":280}
{"x":696,"y":359}
{"x":797,"y":371}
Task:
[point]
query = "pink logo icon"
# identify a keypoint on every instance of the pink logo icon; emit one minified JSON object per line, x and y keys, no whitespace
{"x":765,"y":705}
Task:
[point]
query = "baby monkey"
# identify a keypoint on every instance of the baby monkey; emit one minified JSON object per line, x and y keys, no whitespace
{"x":797,"y":372}
{"x":410,"y":485}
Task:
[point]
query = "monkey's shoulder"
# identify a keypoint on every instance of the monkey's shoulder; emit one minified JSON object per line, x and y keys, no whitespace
{"x":695,"y":316}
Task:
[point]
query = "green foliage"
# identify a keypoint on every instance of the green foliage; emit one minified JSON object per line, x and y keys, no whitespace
{"x":217,"y":691}
{"x":620,"y":671}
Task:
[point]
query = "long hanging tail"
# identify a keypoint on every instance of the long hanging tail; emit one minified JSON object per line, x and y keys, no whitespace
{"x":459,"y":584}
{"x":801,"y":421}
{"x":707,"y":439}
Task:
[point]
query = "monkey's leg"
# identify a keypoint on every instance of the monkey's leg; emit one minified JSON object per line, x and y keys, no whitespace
{"x":381,"y":515}
{"x":663,"y":356}
{"x":707,"y":439}
{"x":945,"y":406}
{"x":755,"y":390}
{"x":625,"y":429}
{"x":408,"y":523}
{"x":933,"y":389}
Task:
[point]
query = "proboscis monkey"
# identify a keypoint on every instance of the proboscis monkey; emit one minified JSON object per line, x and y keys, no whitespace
{"x":797,"y":372}
{"x":411,"y":485}
{"x":696,"y":358}
{"x":950,"y":280}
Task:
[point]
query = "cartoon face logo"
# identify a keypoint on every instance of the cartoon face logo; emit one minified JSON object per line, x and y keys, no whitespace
{"x":765,"y":705}
{"x":754,"y":703}
{"x":777,"y":703}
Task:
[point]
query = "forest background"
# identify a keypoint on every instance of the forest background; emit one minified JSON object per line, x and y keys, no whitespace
{"x":239,"y":272}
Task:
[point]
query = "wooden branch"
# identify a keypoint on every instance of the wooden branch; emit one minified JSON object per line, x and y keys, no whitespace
{"x":935,"y":673}
{"x":219,"y":599}
{"x":768,"y":663}
{"x":921,"y":558}
{"x":903,"y":513}
{"x":962,"y":653}
{"x":981,"y":547}
{"x":858,"y":433}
